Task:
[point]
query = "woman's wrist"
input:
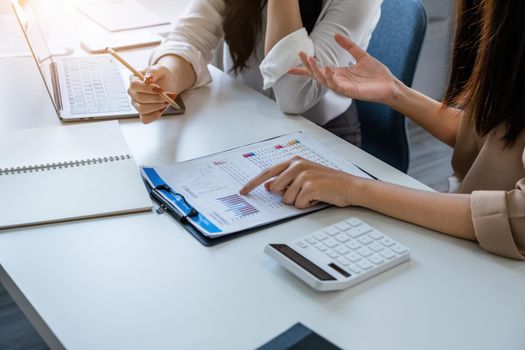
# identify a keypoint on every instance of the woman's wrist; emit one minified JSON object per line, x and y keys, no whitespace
{"x":180,"y":69}
{"x":357,"y":190}
{"x":400,"y":93}
{"x":172,"y":62}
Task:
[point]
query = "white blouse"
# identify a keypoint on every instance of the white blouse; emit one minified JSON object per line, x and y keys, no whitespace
{"x":198,"y":33}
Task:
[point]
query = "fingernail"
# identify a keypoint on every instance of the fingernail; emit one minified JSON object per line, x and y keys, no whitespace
{"x":172,"y":95}
{"x":158,"y":89}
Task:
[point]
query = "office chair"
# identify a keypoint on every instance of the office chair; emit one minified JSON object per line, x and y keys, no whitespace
{"x":397,"y":43}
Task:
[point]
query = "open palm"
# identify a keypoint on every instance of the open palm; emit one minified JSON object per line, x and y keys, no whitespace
{"x":367,"y":80}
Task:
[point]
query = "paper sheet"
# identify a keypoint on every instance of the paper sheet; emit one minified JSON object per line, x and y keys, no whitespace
{"x":211,"y":184}
{"x":120,"y":15}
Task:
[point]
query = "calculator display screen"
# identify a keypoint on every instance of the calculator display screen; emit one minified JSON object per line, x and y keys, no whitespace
{"x":303,"y":262}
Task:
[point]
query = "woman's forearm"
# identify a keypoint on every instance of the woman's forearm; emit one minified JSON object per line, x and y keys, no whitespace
{"x":182,"y":70}
{"x":284,"y":17}
{"x":442,"y":123}
{"x":446,"y":213}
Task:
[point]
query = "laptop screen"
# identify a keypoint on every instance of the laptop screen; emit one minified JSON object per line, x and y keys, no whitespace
{"x":38,"y":45}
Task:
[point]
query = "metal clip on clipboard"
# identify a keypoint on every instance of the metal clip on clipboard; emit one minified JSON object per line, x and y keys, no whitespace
{"x":163,"y":208}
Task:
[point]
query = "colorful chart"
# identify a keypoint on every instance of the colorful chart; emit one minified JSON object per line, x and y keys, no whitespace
{"x":238,"y":206}
{"x":270,"y":156}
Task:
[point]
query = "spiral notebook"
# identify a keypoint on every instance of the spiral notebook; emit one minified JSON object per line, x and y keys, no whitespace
{"x":67,"y":173}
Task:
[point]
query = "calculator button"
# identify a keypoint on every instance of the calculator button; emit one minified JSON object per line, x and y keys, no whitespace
{"x":353,"y":257}
{"x":399,"y":249}
{"x":365,"y":264}
{"x":388,"y":254}
{"x":343,"y":262}
{"x":354,"y":245}
{"x":376,"y":234}
{"x":365,"y":240}
{"x":356,"y":270}
{"x":342,"y":250}
{"x":301,"y":244}
{"x":364,"y":252}
{"x":332,"y":254}
{"x":354,"y":222}
{"x":376,"y":259}
{"x":310,"y":240}
{"x":320,"y":236}
{"x":376,"y":247}
{"x":330,"y":243}
{"x":342,"y":237}
{"x":331,"y":231}
{"x":359,"y":231}
{"x":343,"y":226}
{"x":387,"y":242}
{"x":321,"y":247}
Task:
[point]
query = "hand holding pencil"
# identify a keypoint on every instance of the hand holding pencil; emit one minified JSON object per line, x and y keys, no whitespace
{"x":148,"y":98}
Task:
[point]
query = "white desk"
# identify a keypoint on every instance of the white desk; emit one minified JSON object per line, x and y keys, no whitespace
{"x":142,"y":282}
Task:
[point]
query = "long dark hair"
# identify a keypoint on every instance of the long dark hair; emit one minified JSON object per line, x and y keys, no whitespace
{"x":488,"y":65}
{"x":243,"y":21}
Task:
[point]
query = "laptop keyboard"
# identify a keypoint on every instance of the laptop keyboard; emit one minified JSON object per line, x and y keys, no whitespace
{"x":94,"y":85}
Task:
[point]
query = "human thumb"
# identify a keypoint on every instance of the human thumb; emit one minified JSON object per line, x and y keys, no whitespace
{"x":153,"y":74}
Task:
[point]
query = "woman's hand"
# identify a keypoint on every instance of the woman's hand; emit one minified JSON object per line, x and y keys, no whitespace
{"x":304,"y":184}
{"x":367,"y":80}
{"x":172,"y":75}
{"x":145,"y":93}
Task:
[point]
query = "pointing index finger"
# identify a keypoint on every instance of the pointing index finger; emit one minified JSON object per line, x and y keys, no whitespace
{"x":264,"y":176}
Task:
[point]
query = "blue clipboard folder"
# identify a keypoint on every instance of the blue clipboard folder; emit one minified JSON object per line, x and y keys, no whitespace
{"x":202,"y":194}
{"x":168,"y":202}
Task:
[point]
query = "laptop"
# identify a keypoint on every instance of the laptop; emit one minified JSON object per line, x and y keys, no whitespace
{"x":81,"y":88}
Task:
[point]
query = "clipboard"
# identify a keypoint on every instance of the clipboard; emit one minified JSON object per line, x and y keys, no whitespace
{"x":166,"y":207}
{"x":215,"y":212}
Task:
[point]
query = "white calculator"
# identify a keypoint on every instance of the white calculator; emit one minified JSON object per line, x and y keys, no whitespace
{"x":339,"y":256}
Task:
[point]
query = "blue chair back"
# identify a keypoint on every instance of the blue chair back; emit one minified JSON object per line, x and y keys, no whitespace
{"x":397,"y":43}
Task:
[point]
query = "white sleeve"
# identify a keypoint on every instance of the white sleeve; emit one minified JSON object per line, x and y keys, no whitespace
{"x":194,"y":37}
{"x":356,"y":19}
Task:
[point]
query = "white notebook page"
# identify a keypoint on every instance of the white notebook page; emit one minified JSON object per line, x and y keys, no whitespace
{"x":60,"y":144}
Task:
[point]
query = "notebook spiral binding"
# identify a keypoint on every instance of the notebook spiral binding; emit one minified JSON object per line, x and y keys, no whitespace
{"x":62,"y":165}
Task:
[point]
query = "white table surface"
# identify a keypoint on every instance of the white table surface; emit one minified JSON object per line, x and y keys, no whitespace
{"x":142,"y":282}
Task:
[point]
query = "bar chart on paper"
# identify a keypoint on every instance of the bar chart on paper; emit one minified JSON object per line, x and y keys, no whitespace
{"x":238,"y":206}
{"x":211,"y":184}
